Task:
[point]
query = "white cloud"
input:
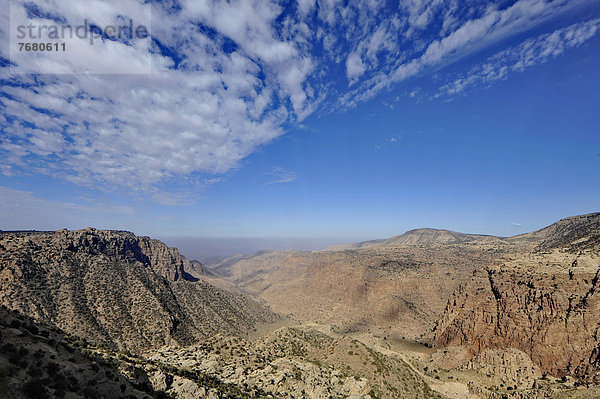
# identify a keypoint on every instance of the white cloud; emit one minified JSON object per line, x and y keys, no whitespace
{"x":136,"y":132}
{"x":529,"y":53}
{"x":420,"y":13}
{"x":473,"y":35}
{"x":306,"y":6}
{"x":354,"y":67}
{"x":280,"y":175}
{"x":236,"y":73}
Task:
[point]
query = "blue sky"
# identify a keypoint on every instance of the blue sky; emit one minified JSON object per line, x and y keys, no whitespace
{"x":327,"y":119}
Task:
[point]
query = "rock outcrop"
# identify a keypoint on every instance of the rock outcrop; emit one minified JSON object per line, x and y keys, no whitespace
{"x":551,"y":313}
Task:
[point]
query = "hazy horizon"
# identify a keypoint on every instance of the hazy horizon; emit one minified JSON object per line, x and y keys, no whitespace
{"x":204,"y":248}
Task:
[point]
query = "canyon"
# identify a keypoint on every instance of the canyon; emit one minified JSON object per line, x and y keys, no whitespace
{"x":428,"y":314}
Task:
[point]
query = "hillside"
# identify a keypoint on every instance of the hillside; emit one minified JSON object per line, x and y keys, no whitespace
{"x":573,"y":234}
{"x":118,"y":289}
{"x":40,"y":362}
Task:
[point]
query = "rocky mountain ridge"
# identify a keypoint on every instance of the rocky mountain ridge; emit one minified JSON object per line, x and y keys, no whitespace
{"x":422,"y":236}
{"x":115,"y":288}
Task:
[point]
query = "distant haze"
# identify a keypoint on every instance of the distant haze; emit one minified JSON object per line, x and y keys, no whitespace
{"x":207,"y":249}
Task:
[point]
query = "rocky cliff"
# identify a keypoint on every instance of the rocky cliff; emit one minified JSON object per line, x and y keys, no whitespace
{"x":118,"y":289}
{"x":546,"y":305}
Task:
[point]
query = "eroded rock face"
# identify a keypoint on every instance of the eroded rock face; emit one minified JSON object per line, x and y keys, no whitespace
{"x":550,"y":311}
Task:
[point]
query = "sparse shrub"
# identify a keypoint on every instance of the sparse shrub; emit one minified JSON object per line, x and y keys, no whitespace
{"x":34,"y":372}
{"x":52,"y":368}
{"x":34,"y":389}
{"x":23,"y":351}
{"x":73,"y":383}
{"x":15,"y":359}
{"x":8,"y":348}
{"x":91,"y":393}
{"x":59,"y":382}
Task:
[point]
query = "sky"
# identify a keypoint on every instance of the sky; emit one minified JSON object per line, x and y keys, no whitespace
{"x":332,"y":120}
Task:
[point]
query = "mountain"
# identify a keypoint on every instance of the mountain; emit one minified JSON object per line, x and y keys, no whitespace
{"x":436,"y":236}
{"x":420,"y":237}
{"x":114,"y":288}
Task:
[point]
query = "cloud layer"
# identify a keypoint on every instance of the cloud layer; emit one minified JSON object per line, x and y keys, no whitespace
{"x":228,"y":75}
